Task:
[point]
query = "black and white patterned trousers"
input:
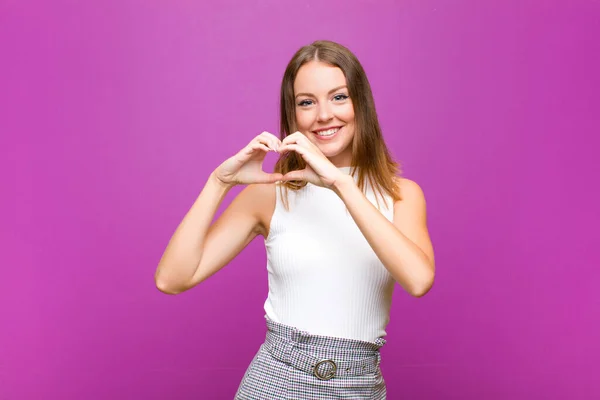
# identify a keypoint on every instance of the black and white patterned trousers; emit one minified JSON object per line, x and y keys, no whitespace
{"x":292,"y":364}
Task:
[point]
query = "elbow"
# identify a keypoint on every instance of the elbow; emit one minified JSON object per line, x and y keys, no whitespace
{"x":423,"y":287}
{"x":420,"y":292}
{"x":166,"y":287}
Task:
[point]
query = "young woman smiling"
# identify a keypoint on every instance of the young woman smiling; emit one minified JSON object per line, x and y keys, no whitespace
{"x":341,"y":228}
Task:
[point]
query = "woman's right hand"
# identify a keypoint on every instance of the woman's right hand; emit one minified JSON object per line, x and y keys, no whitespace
{"x":246,"y":166}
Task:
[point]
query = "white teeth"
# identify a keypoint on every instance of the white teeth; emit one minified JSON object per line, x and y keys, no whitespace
{"x":328,"y":132}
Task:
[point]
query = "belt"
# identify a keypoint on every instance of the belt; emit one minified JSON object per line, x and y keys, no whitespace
{"x":324,"y":369}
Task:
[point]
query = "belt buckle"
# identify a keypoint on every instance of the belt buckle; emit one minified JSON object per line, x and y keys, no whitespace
{"x":328,"y":375}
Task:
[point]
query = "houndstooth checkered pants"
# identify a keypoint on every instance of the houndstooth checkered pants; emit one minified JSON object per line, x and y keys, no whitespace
{"x":292,"y":364}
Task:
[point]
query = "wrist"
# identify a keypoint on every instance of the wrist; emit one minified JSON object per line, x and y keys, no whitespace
{"x":215,"y":181}
{"x":343,"y":184}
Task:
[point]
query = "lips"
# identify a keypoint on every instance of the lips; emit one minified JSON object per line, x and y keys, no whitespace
{"x":327,"y":133}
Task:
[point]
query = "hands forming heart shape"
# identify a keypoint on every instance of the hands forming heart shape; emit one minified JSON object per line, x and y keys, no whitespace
{"x":246,"y":166}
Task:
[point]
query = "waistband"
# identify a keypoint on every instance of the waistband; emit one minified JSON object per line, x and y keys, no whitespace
{"x":322,"y":356}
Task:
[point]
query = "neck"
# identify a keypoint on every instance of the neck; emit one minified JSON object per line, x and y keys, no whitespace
{"x":343,"y":159}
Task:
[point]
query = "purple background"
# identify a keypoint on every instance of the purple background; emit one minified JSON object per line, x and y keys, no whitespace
{"x":113,"y":113}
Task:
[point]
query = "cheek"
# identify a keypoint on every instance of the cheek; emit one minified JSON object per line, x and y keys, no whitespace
{"x":304,"y":119}
{"x":347,"y":114}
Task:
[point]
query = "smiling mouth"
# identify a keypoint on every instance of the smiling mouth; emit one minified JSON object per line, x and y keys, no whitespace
{"x":327,"y":132}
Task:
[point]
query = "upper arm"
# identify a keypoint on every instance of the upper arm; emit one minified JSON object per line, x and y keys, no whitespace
{"x":410,"y":216}
{"x":244,"y":219}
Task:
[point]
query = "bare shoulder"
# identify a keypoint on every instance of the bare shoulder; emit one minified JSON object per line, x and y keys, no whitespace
{"x":410,"y":216}
{"x":410,"y":191}
{"x":412,"y":203}
{"x":260,"y":199}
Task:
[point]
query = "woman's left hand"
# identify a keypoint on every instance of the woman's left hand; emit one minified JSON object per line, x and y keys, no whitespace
{"x":319,"y":170}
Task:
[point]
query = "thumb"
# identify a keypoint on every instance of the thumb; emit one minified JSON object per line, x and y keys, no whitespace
{"x":269,"y":178}
{"x":300,"y":175}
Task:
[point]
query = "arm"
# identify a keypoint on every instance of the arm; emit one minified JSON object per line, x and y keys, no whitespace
{"x":197,"y":249}
{"x":404,"y":246}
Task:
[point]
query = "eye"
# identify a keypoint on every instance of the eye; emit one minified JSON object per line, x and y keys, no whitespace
{"x":305,"y":103}
{"x":340,"y":97}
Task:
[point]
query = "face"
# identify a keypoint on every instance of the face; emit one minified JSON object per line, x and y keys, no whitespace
{"x":324,"y":110}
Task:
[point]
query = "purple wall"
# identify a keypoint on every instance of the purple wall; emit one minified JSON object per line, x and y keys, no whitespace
{"x":113,"y":114}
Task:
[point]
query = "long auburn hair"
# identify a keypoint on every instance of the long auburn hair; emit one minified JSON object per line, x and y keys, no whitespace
{"x":370,"y":155}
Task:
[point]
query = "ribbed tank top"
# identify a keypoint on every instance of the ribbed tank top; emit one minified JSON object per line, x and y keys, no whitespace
{"x":324,"y":277}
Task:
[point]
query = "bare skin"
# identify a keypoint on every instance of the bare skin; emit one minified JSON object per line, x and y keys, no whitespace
{"x":199,"y":248}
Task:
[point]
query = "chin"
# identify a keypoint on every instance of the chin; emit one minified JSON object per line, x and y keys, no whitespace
{"x":335,"y":153}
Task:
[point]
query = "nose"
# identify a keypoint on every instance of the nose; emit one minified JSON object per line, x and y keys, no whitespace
{"x":325,"y":113}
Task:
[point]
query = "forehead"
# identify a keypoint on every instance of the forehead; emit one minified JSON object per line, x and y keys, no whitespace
{"x":318,"y":78}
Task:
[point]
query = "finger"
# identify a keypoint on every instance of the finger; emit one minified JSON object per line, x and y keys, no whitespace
{"x":295,"y":137}
{"x":285,"y":148}
{"x":256,"y":146}
{"x":269,"y":178}
{"x":299,"y":175}
{"x":272,"y":140}
{"x":251,"y":150}
{"x":300,"y":139}
{"x":260,"y":146}
{"x":265,"y":137}
{"x":269,"y":135}
{"x":265,"y":141}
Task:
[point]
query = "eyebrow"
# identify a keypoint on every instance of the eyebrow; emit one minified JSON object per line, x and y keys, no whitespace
{"x":331,"y":91}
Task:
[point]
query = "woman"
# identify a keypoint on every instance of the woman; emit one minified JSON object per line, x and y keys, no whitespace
{"x":340,"y":227}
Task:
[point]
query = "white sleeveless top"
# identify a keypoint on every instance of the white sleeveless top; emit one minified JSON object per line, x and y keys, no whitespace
{"x":324,"y":277}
